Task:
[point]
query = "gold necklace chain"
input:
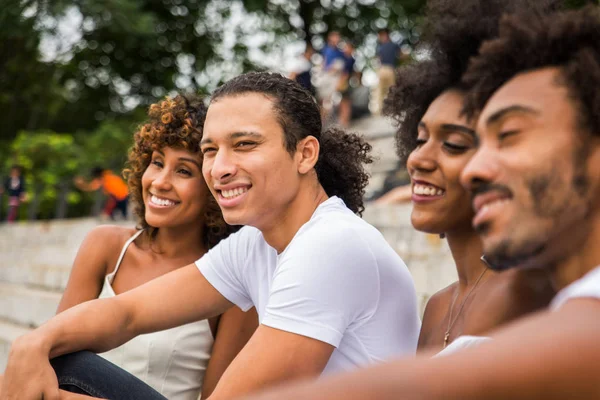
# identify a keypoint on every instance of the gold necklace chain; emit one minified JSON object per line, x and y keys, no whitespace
{"x":450,"y":321}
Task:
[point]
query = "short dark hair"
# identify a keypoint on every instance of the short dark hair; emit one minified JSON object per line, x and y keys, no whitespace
{"x":340,"y":167}
{"x":97,"y":172}
{"x":568,"y":40}
{"x":456,"y":30}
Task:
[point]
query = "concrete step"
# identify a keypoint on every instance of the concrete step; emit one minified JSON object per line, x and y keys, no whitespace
{"x":27,"y":306}
{"x":8,"y":333}
{"x":46,"y":275}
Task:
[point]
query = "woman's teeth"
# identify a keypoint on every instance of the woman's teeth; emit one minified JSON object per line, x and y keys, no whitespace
{"x":228,"y":194}
{"x":426,"y":190}
{"x":161,"y":202}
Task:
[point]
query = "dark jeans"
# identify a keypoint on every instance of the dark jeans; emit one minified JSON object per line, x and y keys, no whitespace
{"x":87,"y":373}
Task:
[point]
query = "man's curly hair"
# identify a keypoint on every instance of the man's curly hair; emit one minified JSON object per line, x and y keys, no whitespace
{"x":569,"y":40}
{"x":175,"y":123}
{"x":456,"y":29}
{"x":342,"y":158}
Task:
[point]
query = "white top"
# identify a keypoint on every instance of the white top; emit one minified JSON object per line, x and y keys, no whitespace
{"x":338,"y":281}
{"x":587,"y":286}
{"x":463,"y":342}
{"x":173,"y":361}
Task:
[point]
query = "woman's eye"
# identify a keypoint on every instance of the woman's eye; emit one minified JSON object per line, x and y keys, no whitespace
{"x":455,"y":147}
{"x":506,"y":134}
{"x":421,"y":142}
{"x":185,"y":172}
{"x":157,"y":163}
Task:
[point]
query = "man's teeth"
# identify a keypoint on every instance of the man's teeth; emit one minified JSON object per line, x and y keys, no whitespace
{"x":492,"y":204}
{"x":161,"y":202}
{"x":228,"y":194}
{"x":426,"y":190}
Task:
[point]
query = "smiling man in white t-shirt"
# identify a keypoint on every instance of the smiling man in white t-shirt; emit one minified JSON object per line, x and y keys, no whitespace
{"x":331,"y":294}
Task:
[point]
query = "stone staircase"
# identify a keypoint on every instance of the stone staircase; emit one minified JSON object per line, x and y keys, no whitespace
{"x":36,"y":257}
{"x":35,"y":262}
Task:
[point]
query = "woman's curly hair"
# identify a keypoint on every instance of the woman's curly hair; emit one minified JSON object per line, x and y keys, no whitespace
{"x":175,"y":123}
{"x":456,"y":29}
{"x":569,"y":40}
{"x":342,"y":157}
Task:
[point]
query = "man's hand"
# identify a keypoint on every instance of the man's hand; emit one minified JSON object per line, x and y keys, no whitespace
{"x":29,"y":375}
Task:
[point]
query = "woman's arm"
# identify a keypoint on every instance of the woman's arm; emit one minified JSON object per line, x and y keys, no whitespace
{"x":234,"y":330}
{"x":90,"y":266}
{"x":174,"y":299}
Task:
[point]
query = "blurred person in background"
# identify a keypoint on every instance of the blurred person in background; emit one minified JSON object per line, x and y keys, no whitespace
{"x":14,"y":187}
{"x":301,"y":69}
{"x":328,"y":80}
{"x":112,"y":185}
{"x":388,"y":54}
{"x":343,"y":86}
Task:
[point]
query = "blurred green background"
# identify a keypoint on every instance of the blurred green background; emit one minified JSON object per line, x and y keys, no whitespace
{"x":76,"y":76}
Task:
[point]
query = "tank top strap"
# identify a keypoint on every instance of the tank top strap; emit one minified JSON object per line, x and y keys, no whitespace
{"x":125,"y":246}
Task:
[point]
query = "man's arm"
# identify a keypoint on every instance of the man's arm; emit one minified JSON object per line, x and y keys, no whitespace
{"x":551,"y":355}
{"x":272,"y":356}
{"x":174,"y":299}
{"x":234,"y":330}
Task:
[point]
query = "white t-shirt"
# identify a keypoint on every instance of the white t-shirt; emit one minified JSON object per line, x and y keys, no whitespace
{"x":587,"y":286}
{"x":338,"y":281}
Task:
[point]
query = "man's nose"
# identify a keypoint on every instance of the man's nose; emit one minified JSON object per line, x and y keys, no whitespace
{"x":482,"y":167}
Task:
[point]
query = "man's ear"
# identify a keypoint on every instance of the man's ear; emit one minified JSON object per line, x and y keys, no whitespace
{"x":307,"y":154}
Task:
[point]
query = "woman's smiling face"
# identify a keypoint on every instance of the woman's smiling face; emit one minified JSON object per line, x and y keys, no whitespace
{"x":174,"y":190}
{"x":446,"y":143}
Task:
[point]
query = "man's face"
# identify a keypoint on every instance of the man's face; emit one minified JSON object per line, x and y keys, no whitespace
{"x":533,"y":178}
{"x":246,"y":165}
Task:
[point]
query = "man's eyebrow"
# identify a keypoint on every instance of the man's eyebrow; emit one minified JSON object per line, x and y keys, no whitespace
{"x":235,"y":135}
{"x":459,"y":128}
{"x":496,"y":116}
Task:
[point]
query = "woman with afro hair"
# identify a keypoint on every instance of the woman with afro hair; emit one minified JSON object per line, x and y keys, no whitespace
{"x":178,"y":222}
{"x":436,"y":141}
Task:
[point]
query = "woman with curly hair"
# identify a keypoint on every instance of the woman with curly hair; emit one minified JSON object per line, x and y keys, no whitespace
{"x":330,"y":292}
{"x":436,"y":141}
{"x":178,"y":221}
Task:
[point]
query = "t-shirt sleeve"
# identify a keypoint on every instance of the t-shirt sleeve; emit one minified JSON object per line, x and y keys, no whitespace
{"x":224,"y":266}
{"x":326,"y":283}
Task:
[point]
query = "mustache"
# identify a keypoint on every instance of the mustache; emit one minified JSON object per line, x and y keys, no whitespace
{"x":484,"y":187}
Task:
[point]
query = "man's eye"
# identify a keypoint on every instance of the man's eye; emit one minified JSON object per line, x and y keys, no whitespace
{"x":245,"y":144}
{"x":208,"y":150}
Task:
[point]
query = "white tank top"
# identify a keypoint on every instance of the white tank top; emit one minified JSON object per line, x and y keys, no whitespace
{"x":588,"y":286}
{"x":173,"y":361}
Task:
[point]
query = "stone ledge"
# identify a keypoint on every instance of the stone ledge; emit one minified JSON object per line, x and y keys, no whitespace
{"x":27,"y":306}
